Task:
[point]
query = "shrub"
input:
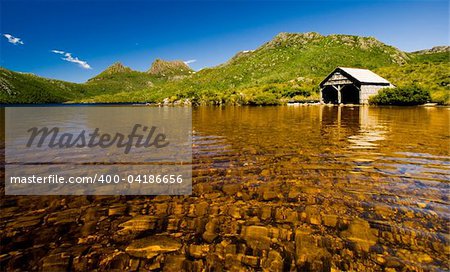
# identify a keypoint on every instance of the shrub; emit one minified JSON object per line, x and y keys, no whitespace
{"x":402,"y":96}
{"x":293,"y":91}
{"x":264,"y":99}
{"x":441,"y":97}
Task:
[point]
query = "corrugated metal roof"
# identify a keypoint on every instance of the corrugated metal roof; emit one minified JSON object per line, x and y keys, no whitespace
{"x":364,"y":75}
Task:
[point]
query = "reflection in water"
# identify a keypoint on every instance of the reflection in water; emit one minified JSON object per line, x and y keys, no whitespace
{"x":385,"y":165}
{"x":370,"y":131}
{"x":322,"y":137}
{"x":312,"y":188}
{"x":113,"y":121}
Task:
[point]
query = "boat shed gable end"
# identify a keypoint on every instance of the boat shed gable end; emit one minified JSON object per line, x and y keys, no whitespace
{"x":353,"y":75}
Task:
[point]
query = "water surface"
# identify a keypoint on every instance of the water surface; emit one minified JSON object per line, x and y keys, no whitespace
{"x":387,"y":165}
{"x":314,"y":188}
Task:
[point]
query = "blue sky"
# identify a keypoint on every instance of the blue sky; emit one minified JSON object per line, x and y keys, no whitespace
{"x":98,"y":33}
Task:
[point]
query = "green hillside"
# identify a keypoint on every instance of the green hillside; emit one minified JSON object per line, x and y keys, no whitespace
{"x":28,"y":88}
{"x":289,"y":67}
{"x":429,"y":69}
{"x":119,"y":83}
{"x":116,"y":82}
{"x":119,"y":78}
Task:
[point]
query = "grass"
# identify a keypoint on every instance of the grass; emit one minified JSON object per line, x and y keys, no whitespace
{"x":287,"y":68}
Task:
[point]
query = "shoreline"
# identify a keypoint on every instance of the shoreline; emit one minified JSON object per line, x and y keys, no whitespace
{"x":223,"y":105}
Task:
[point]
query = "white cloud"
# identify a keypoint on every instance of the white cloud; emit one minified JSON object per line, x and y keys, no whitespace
{"x":68,"y":57}
{"x":190,"y":61}
{"x":12,"y":39}
{"x":58,"y":52}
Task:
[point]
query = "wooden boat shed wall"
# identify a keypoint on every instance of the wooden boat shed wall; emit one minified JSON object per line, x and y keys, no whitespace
{"x":351,"y":86}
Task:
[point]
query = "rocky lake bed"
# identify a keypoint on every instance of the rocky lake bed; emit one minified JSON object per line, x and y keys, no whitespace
{"x":354,"y":193}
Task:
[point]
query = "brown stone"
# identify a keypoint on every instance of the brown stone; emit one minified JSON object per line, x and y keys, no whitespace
{"x":273,"y":263}
{"x":64,"y":217}
{"x":308,"y":254}
{"x":265,"y":173}
{"x":360,"y":234}
{"x":231,"y":189}
{"x":257,"y":237}
{"x":138,"y":224}
{"x":56,"y":262}
{"x":269,"y":194}
{"x":249,"y":260}
{"x":115,"y":261}
{"x":26,"y":222}
{"x":293,"y":194}
{"x":266,"y":212}
{"x":211,"y":230}
{"x":118,"y":210}
{"x":174,"y":263}
{"x":312,"y":213}
{"x":194,"y":266}
{"x":198,"y":251}
{"x":201,"y":209}
{"x":152,"y":246}
{"x":234,"y":211}
{"x":330,"y":220}
{"x":134,"y":264}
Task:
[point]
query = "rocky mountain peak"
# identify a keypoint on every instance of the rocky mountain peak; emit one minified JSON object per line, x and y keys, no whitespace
{"x":284,"y":38}
{"x":169,"y":68}
{"x":117,"y":67}
{"x":303,"y":42}
{"x":436,"y":49}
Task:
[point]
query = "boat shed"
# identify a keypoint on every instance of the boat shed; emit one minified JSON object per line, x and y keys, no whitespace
{"x":351,"y":86}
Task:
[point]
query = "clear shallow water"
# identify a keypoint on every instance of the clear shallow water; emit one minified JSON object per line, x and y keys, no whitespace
{"x":387,"y":165}
{"x":369,"y":185}
{"x":406,"y":144}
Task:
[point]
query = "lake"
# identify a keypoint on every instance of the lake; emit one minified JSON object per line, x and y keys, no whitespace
{"x":315,"y":188}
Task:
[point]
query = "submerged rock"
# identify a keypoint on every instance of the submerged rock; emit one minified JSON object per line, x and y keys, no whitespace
{"x":211,"y":230}
{"x":198,"y":251}
{"x":56,"y":262}
{"x":309,"y":256}
{"x":152,"y":246}
{"x":274,"y":262}
{"x":174,"y":263}
{"x":257,"y":237}
{"x":360,"y":234}
{"x":138,"y":224}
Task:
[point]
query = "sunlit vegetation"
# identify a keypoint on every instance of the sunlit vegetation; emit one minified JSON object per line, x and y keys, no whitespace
{"x":430,"y":72}
{"x":287,"y":68}
{"x":401,"y":96}
{"x":27,"y":88}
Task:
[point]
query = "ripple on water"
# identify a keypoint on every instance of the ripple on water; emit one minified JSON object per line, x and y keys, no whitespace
{"x":387,"y":165}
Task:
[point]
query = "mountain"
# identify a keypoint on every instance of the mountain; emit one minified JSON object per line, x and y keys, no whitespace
{"x":116,"y":68}
{"x":311,"y":54}
{"x":119,"y":78}
{"x":118,"y":83}
{"x":288,"y":67}
{"x":18,"y":87}
{"x":428,"y":68}
{"x":175,"y":68}
{"x":437,"y":54}
{"x":436,"y":49}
